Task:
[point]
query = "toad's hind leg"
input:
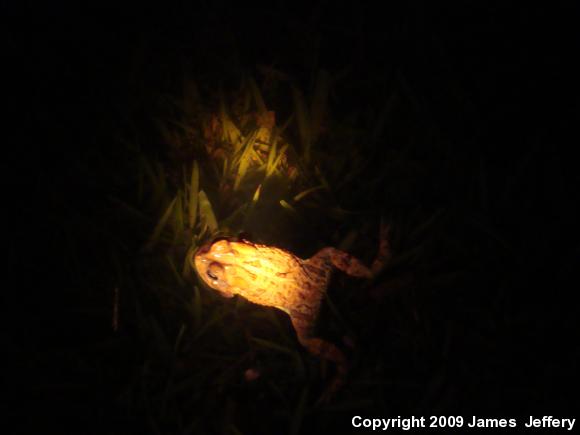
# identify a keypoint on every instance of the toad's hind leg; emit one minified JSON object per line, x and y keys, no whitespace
{"x":342,"y":261}
{"x":321,"y":349}
{"x":353,"y":266}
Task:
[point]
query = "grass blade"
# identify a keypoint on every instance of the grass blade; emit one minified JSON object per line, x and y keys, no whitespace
{"x":307,"y":192}
{"x":319,"y":102}
{"x":287,"y":206}
{"x":215,"y":317}
{"x":273,"y":346}
{"x":348,"y":240}
{"x":270,"y":167}
{"x":301,"y":112}
{"x":186,"y":269}
{"x":196,"y":306}
{"x":178,"y":220}
{"x":137,"y":214}
{"x":236,"y":216}
{"x":321,"y":178}
{"x":160,"y":226}
{"x":230,"y":132}
{"x":281,"y":155}
{"x":245,"y":159}
{"x":193,"y":195}
{"x":225,"y":170}
{"x":179,"y":337}
{"x":257,"y":194}
{"x":206,"y":212}
{"x":261,"y":106}
{"x":299,"y":412}
{"x":173,"y":268}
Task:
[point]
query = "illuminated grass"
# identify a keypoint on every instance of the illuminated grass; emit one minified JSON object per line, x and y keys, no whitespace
{"x":284,"y":153}
{"x":310,"y":186}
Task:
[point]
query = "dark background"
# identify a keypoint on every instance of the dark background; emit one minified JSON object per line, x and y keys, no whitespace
{"x":492,"y":86}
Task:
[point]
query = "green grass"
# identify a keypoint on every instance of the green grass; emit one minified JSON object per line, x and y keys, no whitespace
{"x":201,"y":345}
{"x":181,"y":359}
{"x":438,"y":133}
{"x":181,"y":353}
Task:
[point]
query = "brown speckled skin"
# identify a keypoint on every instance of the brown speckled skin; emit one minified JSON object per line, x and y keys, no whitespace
{"x":276,"y":278}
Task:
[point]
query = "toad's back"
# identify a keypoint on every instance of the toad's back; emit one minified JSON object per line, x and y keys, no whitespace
{"x":268,"y":275}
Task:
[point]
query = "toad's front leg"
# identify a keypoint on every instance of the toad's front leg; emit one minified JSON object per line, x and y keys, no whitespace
{"x":303,"y":325}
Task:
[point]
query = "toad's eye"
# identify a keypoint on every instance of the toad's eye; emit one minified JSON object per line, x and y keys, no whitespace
{"x":214,"y":271}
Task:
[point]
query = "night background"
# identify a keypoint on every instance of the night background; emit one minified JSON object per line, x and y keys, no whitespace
{"x":455,"y":123}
